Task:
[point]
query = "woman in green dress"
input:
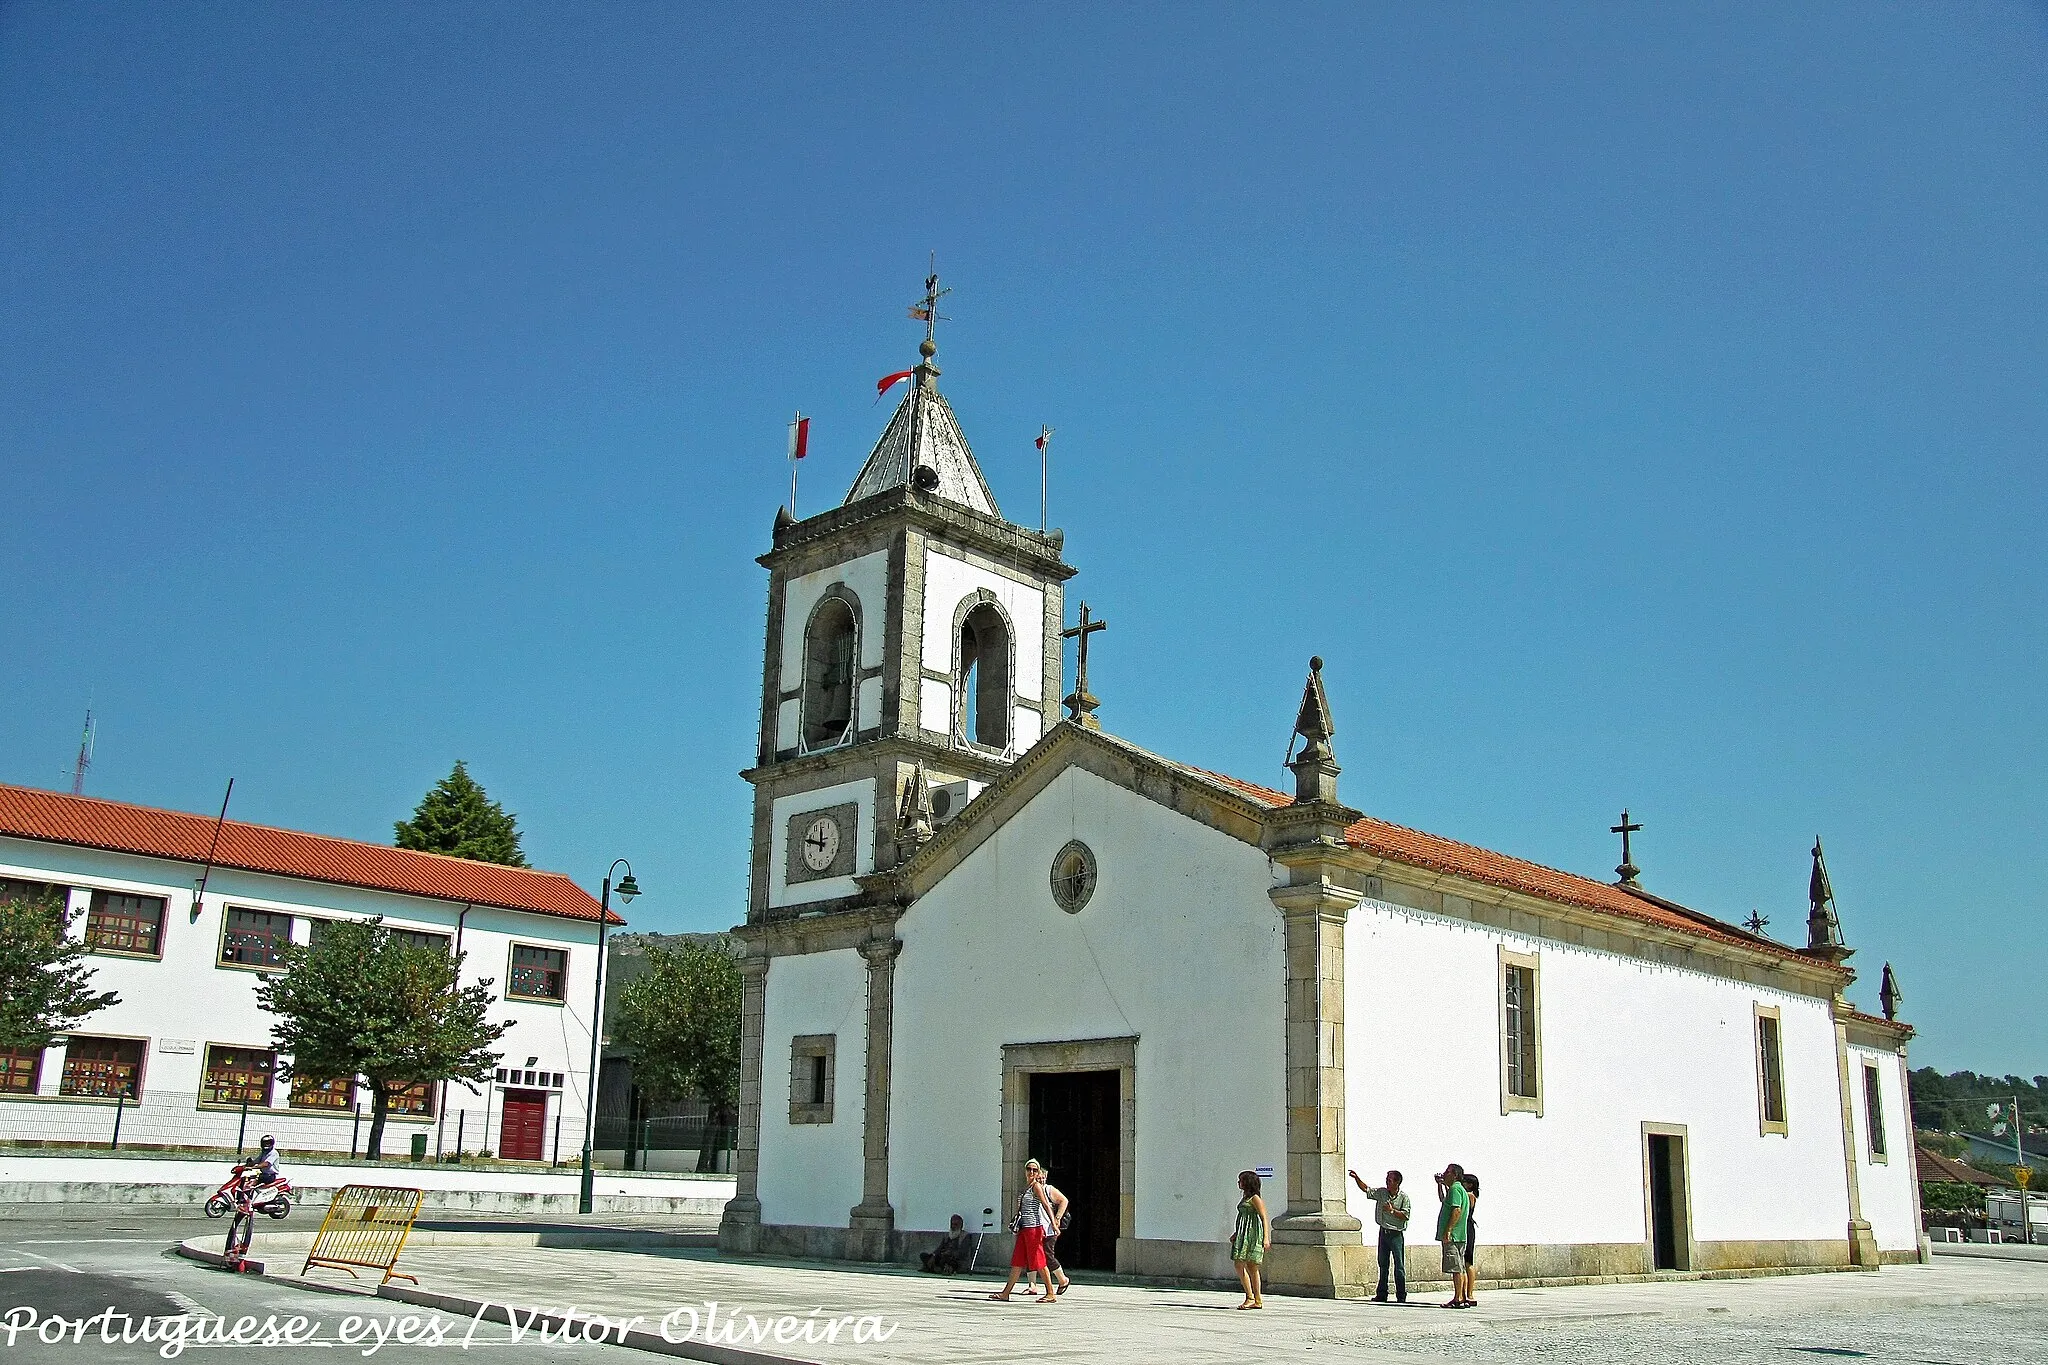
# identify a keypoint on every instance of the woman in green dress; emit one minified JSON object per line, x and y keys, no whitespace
{"x":1251,"y":1239}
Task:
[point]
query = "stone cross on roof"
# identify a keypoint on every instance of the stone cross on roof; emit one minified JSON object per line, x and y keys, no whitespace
{"x":1627,"y":871}
{"x":1080,"y":705}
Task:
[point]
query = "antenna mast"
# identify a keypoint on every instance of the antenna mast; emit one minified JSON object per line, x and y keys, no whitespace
{"x":84,"y":757}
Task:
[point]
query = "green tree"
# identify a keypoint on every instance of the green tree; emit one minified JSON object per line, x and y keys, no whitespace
{"x":45,"y":983}
{"x":681,"y":1022}
{"x":458,"y":818}
{"x":362,"y":1002}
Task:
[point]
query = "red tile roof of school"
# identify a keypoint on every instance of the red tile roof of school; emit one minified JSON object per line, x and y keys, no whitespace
{"x":89,"y":822}
{"x":1414,"y":848}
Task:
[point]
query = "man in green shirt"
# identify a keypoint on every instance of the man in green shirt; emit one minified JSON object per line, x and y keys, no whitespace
{"x":1450,"y":1230}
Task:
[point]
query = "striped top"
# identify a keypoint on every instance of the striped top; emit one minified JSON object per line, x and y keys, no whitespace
{"x":1031,"y":1211}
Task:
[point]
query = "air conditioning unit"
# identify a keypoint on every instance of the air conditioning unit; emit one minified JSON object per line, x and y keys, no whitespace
{"x":949,"y":799}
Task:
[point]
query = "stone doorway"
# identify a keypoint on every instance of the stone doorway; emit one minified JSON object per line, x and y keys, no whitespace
{"x":1079,"y":1097}
{"x":1669,"y":1196}
{"x":1074,"y":1133}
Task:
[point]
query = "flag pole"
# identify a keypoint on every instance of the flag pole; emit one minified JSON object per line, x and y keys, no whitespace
{"x":1044,"y":442}
{"x":793,"y":461}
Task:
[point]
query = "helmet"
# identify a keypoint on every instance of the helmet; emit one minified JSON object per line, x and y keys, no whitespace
{"x":269,"y":1141}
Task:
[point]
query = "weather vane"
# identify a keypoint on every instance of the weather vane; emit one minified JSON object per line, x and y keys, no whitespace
{"x":1756,"y":922}
{"x":926,"y":309}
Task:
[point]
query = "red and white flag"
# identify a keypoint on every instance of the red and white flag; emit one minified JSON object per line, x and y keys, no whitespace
{"x":889,"y":381}
{"x":1044,"y":435}
{"x":799,"y":437}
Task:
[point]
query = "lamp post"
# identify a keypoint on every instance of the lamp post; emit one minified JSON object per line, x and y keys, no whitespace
{"x":628,"y":889}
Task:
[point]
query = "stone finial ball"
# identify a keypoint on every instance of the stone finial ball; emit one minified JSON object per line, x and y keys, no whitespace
{"x":927,"y":348}
{"x":1315,"y":663}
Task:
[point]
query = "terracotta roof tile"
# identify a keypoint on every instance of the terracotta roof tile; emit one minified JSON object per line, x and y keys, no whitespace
{"x":1436,"y":853}
{"x":1934,"y":1166}
{"x":89,"y":822}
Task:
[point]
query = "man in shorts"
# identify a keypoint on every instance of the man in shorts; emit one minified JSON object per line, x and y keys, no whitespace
{"x":1451,"y":1217}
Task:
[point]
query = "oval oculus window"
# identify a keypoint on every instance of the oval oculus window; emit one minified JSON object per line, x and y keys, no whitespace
{"x":1073,"y":876}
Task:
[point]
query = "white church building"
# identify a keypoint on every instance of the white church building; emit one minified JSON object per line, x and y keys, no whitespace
{"x":979,"y":930}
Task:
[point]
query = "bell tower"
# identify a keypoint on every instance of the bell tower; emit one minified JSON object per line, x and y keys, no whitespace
{"x":913,"y":652}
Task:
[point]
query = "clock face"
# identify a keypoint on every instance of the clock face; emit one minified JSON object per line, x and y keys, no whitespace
{"x":821,"y":843}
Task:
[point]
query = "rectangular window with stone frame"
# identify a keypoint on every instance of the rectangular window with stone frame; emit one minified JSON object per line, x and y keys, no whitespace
{"x":1521,"y":1034}
{"x":1873,"y":1113}
{"x":1770,"y":1071}
{"x":813,"y":1058}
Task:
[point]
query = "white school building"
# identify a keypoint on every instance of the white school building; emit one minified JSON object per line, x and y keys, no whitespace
{"x":979,"y":930}
{"x":188,"y":1049}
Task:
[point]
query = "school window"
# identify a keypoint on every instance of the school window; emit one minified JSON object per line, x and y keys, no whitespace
{"x":254,"y":938}
{"x":328,"y":1096}
{"x":1873,"y":1111}
{"x":102,"y":1068}
{"x":537,"y":973}
{"x":1770,"y":1070}
{"x":812,"y":1058}
{"x":237,"y":1075}
{"x":120,"y":923}
{"x":416,"y":938}
{"x":21,"y":1070}
{"x":1521,"y":1046}
{"x":35,"y":893}
{"x":413,"y":1101}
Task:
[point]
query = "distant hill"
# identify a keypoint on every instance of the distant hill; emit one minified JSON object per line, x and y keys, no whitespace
{"x":1955,"y":1103}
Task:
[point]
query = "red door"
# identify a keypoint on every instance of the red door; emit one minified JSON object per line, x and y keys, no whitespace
{"x":525,"y":1117}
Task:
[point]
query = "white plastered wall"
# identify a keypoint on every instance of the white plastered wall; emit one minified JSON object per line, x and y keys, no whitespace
{"x":861,"y":793}
{"x":1886,"y":1186}
{"x":946,"y":581}
{"x":1179,"y":946}
{"x":867,"y":577}
{"x":1623,"y":1041}
{"x":810,"y":1173}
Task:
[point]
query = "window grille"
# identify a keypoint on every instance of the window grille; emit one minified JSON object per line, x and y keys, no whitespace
{"x":1770,"y":1067}
{"x":255,"y":938}
{"x":333,"y":1096}
{"x":1518,"y":985}
{"x":414,"y":1099}
{"x":21,"y":1070}
{"x":119,"y":923}
{"x":537,"y":973}
{"x":237,"y":1075}
{"x":102,"y":1068}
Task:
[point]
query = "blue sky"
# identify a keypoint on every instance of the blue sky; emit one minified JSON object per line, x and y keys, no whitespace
{"x":1634,"y":407}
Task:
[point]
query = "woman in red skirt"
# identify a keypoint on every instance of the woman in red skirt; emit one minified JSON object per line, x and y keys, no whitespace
{"x":1034,"y":1215}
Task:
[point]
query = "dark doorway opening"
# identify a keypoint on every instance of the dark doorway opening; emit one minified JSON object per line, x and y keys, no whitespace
{"x":1075,"y":1135}
{"x":1670,"y":1240}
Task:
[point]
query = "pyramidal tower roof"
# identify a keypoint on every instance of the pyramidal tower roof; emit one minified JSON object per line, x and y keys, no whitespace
{"x":924,"y":434}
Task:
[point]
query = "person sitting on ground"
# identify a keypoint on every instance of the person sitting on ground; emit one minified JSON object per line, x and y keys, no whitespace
{"x":950,"y":1256}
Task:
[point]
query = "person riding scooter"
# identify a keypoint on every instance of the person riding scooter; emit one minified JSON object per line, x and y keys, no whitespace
{"x":264,"y":1168}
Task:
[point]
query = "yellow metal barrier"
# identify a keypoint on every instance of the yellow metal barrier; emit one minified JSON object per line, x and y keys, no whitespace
{"x":366,"y":1226}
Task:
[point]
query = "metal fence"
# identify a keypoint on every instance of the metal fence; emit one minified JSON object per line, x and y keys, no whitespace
{"x":641,"y":1141}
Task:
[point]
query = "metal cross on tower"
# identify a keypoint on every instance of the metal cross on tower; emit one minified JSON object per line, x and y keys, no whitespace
{"x":1628,"y":871}
{"x":1080,"y":705}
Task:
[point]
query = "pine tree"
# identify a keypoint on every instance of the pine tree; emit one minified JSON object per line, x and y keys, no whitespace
{"x":458,"y":818}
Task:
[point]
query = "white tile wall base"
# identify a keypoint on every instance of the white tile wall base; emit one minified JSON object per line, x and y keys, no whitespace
{"x":109,"y":1171}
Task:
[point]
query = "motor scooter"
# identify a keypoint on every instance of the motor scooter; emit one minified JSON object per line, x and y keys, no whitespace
{"x":274,"y":1199}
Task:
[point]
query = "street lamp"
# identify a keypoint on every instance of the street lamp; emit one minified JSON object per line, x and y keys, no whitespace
{"x":628,"y":889}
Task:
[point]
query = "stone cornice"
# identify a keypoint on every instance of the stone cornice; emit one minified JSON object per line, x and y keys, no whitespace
{"x":910,"y":748}
{"x":993,"y":535}
{"x":821,"y":932}
{"x":1868,"y":1030}
{"x":1521,"y":912}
